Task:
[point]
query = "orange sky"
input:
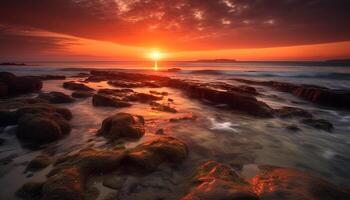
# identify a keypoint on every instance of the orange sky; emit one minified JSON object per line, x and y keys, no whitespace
{"x":66,"y":30}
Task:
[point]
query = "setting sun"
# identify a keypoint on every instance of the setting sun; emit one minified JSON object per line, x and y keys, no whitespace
{"x":155,"y":55}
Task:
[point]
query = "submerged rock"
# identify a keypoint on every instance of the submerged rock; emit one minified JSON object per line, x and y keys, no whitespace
{"x":149,"y":155}
{"x":30,"y":190}
{"x":162,"y":107}
{"x":71,"y":85}
{"x":319,"y":124}
{"x":15,"y":85}
{"x":56,"y":97}
{"x":288,"y":112}
{"x":142,"y":97}
{"x":213,"y":180}
{"x":7,"y":118}
{"x":122,"y":125}
{"x":82,"y":94}
{"x":39,"y":162}
{"x":110,"y":101}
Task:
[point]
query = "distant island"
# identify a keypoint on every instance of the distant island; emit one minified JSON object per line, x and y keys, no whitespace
{"x":345,"y":61}
{"x":217,"y":60}
{"x":13,"y":63}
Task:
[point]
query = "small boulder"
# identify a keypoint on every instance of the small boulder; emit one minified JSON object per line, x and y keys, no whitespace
{"x":82,"y":94}
{"x":7,"y":118}
{"x":30,"y":190}
{"x":56,"y":97}
{"x":162,"y":107}
{"x":71,"y":85}
{"x":122,"y":125}
{"x":39,"y":162}
{"x":288,"y":112}
{"x":109,"y":101}
{"x":142,"y":97}
{"x":149,"y":155}
{"x":319,"y":124}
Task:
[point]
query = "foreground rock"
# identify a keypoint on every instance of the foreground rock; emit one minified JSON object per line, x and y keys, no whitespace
{"x":56,"y":97}
{"x":281,"y":183}
{"x":71,"y":85}
{"x":109,"y":101}
{"x":39,"y":162}
{"x":15,"y":85}
{"x":316,"y":94}
{"x":148,"y":156}
{"x":289,"y":112}
{"x":213,"y":180}
{"x":162,"y":107}
{"x":122,"y":125}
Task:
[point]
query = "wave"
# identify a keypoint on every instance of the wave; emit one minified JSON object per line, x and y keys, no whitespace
{"x":325,"y":75}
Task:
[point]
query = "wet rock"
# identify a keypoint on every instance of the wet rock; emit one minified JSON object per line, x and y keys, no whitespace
{"x":15,"y":85}
{"x":142,"y":97}
{"x":7,"y":118}
{"x":116,"y":92}
{"x":39,"y":162}
{"x":158,"y":93}
{"x":316,"y":94}
{"x":293,"y":128}
{"x":288,"y":112}
{"x":160,"y":132}
{"x":122,"y":125}
{"x":319,"y":124}
{"x":213,"y":180}
{"x":174,"y":69}
{"x":2,"y":141}
{"x":233,"y":99}
{"x":82,"y":94}
{"x":71,"y":85}
{"x":190,"y":117}
{"x":65,"y":185}
{"x":149,"y":155}
{"x":39,"y":108}
{"x":162,"y":107}
{"x":56,"y":97}
{"x":30,"y":190}
{"x":105,"y":100}
{"x":133,"y":84}
{"x":288,"y":184}
{"x":42,"y":128}
{"x":52,"y":77}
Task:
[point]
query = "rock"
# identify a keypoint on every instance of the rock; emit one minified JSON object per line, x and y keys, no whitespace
{"x":122,"y":125}
{"x":7,"y":118}
{"x":162,"y":107}
{"x":149,"y":155}
{"x":56,"y":97}
{"x":293,"y":128}
{"x":65,"y":185}
{"x":30,"y":190}
{"x":113,"y":182}
{"x":71,"y":85}
{"x":160,"y":132}
{"x":142,"y":97}
{"x":39,"y":162}
{"x":82,"y":94}
{"x":2,"y":141}
{"x":316,"y":94}
{"x":105,"y":100}
{"x":213,"y":180}
{"x":42,"y":127}
{"x":133,"y":84}
{"x":190,"y":117}
{"x":236,"y":100}
{"x":52,"y":77}
{"x":319,"y":124}
{"x":289,"y":184}
{"x":158,"y":93}
{"x":14,"y":85}
{"x":288,"y":112}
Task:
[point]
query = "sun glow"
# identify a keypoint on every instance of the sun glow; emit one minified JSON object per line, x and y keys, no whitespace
{"x":155,"y":55}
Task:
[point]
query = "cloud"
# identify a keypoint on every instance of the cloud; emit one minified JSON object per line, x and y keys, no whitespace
{"x":187,"y":24}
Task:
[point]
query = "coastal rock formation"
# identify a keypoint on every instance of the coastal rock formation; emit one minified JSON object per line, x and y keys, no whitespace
{"x":39,"y":162}
{"x":56,"y":97}
{"x":15,"y":85}
{"x":122,"y":125}
{"x":162,"y":107}
{"x":213,"y":180}
{"x":82,"y":94}
{"x":30,"y":190}
{"x":71,"y":85}
{"x":288,"y":112}
{"x":316,"y":94}
{"x":148,"y":156}
{"x":110,"y":101}
{"x":142,"y":97}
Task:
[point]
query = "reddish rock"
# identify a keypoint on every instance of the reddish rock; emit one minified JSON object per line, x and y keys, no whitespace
{"x":14,"y":85}
{"x":71,"y":85}
{"x":149,"y":155}
{"x":213,"y":180}
{"x":122,"y":125}
{"x":162,"y":107}
{"x":56,"y":97}
{"x":106,"y":100}
{"x":82,"y":94}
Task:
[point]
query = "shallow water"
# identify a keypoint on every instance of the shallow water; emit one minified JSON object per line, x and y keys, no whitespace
{"x":217,"y":133}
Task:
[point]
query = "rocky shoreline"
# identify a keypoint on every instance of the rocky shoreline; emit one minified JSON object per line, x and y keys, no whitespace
{"x":40,"y":121}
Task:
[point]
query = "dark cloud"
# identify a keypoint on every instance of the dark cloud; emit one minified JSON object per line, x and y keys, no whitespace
{"x":187,"y":24}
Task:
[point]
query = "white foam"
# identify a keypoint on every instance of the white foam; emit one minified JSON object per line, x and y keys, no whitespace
{"x":224,"y":126}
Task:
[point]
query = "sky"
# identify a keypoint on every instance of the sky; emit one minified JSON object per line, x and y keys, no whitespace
{"x":72,"y":30}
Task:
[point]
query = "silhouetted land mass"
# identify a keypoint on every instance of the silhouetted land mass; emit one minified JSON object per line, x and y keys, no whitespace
{"x":217,"y":60}
{"x":13,"y":63}
{"x":339,"y":61}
